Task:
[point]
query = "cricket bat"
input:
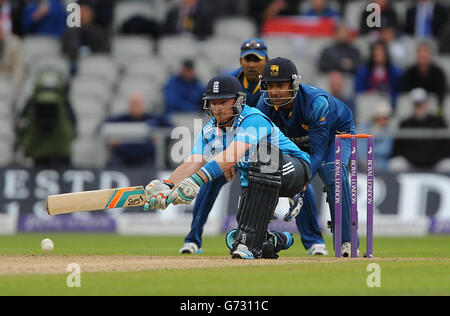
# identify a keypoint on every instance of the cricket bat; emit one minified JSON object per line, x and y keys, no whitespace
{"x":95,"y":200}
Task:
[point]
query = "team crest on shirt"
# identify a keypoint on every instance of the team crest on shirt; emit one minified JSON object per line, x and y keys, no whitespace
{"x":274,"y":70}
{"x":216,"y":87}
{"x":322,"y":121}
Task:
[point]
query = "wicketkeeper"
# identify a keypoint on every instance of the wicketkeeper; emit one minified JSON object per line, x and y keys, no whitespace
{"x":270,"y":165}
{"x":311,"y":118}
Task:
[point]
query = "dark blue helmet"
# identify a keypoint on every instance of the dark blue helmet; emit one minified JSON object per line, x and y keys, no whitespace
{"x":280,"y":70}
{"x":224,"y":87}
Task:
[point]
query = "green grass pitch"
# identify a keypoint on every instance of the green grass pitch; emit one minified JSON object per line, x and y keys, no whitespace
{"x":407,"y":266}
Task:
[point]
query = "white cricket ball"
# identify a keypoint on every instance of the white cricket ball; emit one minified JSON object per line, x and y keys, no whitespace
{"x":47,"y":245}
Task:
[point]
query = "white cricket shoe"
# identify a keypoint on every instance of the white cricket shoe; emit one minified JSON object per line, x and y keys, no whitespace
{"x":242,"y":252}
{"x":346,"y":250}
{"x":190,"y":248}
{"x":318,"y":250}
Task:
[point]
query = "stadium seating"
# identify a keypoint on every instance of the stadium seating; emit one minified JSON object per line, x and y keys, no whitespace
{"x":322,"y":81}
{"x":90,"y":87}
{"x":307,"y":69}
{"x":173,"y":49}
{"x":223,"y":53}
{"x":362,"y":43}
{"x":119,"y":105}
{"x":131,"y":84}
{"x":58,"y":63}
{"x":405,"y":106}
{"x":237,"y":28}
{"x":100,"y":84}
{"x":36,"y":47}
{"x":446,"y":109}
{"x":126,"y":9}
{"x":366,"y":104}
{"x":6,"y":96}
{"x":205,"y":70}
{"x":151,"y":68}
{"x":7,"y":156}
{"x":88,"y":126}
{"x":101,"y":66}
{"x":130,"y":48}
{"x":444,"y":62}
{"x":7,"y":128}
{"x":89,"y":152}
{"x":7,"y":135}
{"x":280,"y":46}
{"x":150,"y":90}
{"x":314,"y":47}
{"x":87,"y":107}
{"x":353,"y":12}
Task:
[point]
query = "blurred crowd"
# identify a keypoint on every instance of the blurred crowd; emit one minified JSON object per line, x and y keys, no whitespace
{"x":134,"y":61}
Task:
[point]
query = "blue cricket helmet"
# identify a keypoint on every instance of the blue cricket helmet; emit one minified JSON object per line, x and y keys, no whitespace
{"x":224,"y":87}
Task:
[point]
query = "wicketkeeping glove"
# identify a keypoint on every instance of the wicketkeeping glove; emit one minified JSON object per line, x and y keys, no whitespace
{"x":156,"y":193}
{"x":296,"y":204}
{"x":185,"y":192}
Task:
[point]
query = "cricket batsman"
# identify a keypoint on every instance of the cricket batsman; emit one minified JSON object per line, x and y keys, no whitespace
{"x":253,"y":58}
{"x":270,"y":166}
{"x":311,"y":118}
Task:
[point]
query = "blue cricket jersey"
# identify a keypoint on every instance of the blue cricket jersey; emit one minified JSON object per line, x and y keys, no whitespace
{"x":251,"y":127}
{"x":252,"y":90}
{"x":316,"y":114}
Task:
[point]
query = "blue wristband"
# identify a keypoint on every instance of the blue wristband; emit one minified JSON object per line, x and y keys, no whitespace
{"x":212,"y":170}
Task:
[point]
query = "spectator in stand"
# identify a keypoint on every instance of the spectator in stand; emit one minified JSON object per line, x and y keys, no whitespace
{"x":104,"y":11}
{"x":426,"y":18}
{"x":379,"y":74}
{"x":263,"y":10}
{"x":137,"y":153}
{"x":183,"y":92}
{"x":388,"y":16}
{"x":338,"y":90}
{"x":424,"y":153}
{"x":89,"y":38}
{"x":343,"y":6}
{"x":321,"y":8}
{"x":444,"y":40}
{"x":192,"y":16}
{"x":342,"y":55}
{"x":425,"y":74}
{"x":227,"y":7}
{"x":141,"y":25}
{"x":381,"y":127}
{"x":45,"y":17}
{"x":397,"y":49}
{"x":11,"y":16}
{"x":11,"y":63}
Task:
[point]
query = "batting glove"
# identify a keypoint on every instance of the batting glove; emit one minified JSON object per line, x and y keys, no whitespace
{"x":156,"y":193}
{"x":185,"y":192}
